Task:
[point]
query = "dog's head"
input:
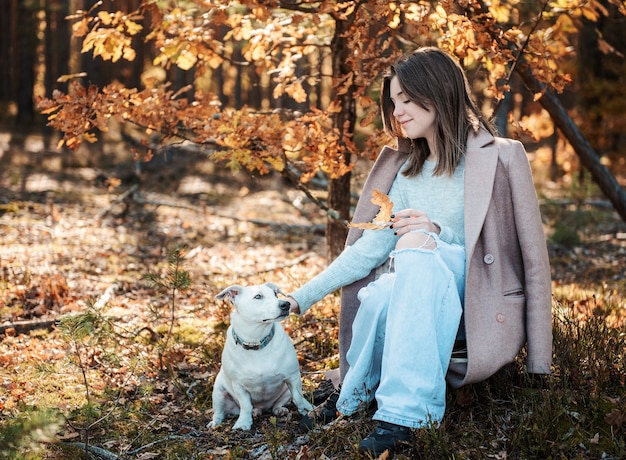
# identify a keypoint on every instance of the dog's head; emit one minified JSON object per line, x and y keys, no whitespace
{"x":259,"y":303}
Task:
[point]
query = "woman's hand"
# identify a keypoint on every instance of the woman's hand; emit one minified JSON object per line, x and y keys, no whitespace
{"x":293,"y":305}
{"x":408,"y":220}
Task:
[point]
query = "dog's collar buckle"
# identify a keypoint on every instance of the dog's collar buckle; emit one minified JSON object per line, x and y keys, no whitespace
{"x":254,"y":345}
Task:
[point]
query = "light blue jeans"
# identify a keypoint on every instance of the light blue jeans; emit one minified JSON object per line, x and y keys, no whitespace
{"x":403,"y":335}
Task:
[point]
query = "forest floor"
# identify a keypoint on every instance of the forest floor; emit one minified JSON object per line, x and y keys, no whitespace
{"x":134,"y":377}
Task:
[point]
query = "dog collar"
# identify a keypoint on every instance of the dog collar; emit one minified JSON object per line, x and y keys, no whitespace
{"x":254,"y":345}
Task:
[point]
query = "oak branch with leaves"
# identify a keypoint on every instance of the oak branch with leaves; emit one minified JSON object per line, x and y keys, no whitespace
{"x":316,"y":67}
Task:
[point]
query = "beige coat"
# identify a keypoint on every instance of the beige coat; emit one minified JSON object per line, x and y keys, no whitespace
{"x":508,"y":285}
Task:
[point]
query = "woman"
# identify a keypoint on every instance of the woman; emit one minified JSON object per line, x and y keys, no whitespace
{"x":465,"y":259}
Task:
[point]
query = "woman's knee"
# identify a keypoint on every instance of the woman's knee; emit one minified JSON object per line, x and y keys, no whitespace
{"x":416,"y":240}
{"x":373,"y":301}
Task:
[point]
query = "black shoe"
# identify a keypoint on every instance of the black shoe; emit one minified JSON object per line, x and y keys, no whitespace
{"x":322,"y":414}
{"x":386,"y":436}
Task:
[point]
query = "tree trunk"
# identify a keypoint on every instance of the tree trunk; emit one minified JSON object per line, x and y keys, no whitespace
{"x":8,"y":21}
{"x":27,"y":46}
{"x":344,"y":121}
{"x":57,"y":52}
{"x":339,"y":200}
{"x":588,"y":156}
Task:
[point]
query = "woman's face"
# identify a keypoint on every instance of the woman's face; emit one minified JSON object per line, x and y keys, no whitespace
{"x":416,"y":121}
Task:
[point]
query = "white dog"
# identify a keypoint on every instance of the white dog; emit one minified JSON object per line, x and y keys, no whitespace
{"x":260,"y":368}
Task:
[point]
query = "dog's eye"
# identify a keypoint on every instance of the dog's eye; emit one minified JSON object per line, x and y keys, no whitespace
{"x":258,"y":297}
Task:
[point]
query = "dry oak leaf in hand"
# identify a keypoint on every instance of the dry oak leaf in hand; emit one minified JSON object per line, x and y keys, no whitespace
{"x":383,"y":218}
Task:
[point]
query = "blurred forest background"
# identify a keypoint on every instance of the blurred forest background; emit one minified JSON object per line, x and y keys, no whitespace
{"x":144,"y":141}
{"x":550,"y":72}
{"x":514,"y":52}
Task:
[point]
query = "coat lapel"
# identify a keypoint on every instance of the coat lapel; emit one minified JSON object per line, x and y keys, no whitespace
{"x":480,"y":168}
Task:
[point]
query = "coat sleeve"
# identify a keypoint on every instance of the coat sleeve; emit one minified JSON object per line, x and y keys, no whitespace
{"x":536,"y":266}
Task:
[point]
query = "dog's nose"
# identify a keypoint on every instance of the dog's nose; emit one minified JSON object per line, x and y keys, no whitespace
{"x":284,"y":306}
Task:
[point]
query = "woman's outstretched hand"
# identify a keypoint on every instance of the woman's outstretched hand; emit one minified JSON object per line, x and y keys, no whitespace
{"x":408,"y":220}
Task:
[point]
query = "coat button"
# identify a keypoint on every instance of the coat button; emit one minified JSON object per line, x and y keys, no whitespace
{"x":500,"y":318}
{"x":488,"y":259}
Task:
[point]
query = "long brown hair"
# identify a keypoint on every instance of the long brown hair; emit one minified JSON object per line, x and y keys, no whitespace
{"x":432,"y":79}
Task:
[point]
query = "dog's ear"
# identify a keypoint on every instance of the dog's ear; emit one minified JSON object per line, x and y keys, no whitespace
{"x":275,"y":288}
{"x":231,"y":292}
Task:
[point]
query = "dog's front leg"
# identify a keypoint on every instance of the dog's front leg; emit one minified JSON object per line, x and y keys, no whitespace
{"x":219,"y":401}
{"x":295,"y":387}
{"x":244,"y":422}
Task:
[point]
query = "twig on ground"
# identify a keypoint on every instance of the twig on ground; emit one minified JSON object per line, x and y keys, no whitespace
{"x":108,"y":455}
{"x":280,"y":225}
{"x":132,"y":195}
{"x":21,"y":327}
{"x":117,"y":200}
{"x":170,"y":204}
{"x":154,"y":443}
{"x":95,"y":450}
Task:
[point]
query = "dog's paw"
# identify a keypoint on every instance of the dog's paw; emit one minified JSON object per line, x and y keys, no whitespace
{"x":305,"y":407}
{"x":213,"y":424}
{"x":244,"y":425}
{"x":280,"y":411}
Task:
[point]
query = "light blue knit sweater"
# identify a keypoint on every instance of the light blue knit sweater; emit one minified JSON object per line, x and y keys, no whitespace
{"x":441,"y":197}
